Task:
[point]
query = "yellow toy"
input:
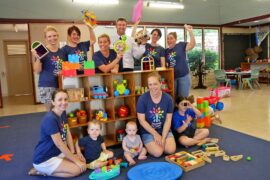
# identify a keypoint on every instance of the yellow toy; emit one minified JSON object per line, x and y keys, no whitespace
{"x":89,"y":18}
{"x":121,"y":45}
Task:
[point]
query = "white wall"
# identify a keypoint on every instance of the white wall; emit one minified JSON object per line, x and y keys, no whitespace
{"x":7,"y":36}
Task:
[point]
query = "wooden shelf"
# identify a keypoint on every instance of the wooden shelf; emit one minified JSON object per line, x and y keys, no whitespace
{"x":111,"y":103}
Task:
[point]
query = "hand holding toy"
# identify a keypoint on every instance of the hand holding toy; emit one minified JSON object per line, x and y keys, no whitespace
{"x":89,"y":18}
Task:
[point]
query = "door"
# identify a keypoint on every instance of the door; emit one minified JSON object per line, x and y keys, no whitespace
{"x":18,"y":68}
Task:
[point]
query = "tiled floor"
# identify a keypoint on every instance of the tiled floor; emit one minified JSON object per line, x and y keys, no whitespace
{"x":245,"y":111}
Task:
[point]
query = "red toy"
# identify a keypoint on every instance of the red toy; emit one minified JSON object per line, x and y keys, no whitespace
{"x":122,"y":111}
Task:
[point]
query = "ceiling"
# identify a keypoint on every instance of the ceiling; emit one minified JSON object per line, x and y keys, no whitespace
{"x":210,"y":12}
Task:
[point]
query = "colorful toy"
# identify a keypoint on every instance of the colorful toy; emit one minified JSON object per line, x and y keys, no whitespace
{"x":204,"y":119}
{"x":89,"y":18}
{"x":89,"y":68}
{"x":106,"y":172}
{"x":185,"y":160}
{"x":101,"y":115}
{"x":220,"y":92}
{"x":120,"y":87}
{"x":147,"y":63}
{"x":248,"y":158}
{"x":120,"y":135}
{"x":40,"y":49}
{"x":121,"y":45}
{"x":164,"y":85}
{"x":140,"y":90}
{"x":137,"y":11}
{"x":124,"y":164}
{"x":123,"y":111}
{"x":99,"y":92}
{"x":82,"y":117}
{"x":69,"y":68}
{"x":6,"y":157}
{"x":142,"y":35}
{"x":72,"y":120}
{"x":236,"y":158}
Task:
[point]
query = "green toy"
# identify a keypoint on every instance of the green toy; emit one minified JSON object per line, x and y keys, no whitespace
{"x":248,"y":158}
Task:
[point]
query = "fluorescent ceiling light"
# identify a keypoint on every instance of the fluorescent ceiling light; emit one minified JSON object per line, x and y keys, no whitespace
{"x":97,"y":2}
{"x":165,"y":4}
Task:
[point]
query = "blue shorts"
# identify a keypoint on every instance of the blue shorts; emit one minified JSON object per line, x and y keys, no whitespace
{"x":147,"y":138}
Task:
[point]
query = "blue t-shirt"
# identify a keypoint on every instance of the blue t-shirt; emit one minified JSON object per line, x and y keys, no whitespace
{"x":155,"y":114}
{"x":92,"y":148}
{"x":51,"y":64}
{"x":100,"y":59}
{"x":176,"y":58}
{"x":51,"y":124}
{"x":81,"y":50}
{"x":156,"y":52}
{"x":177,"y":120}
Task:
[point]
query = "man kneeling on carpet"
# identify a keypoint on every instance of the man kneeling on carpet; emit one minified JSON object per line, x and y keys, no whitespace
{"x":54,"y":153}
{"x":184,"y":124}
{"x":95,"y":151}
{"x":132,"y":144}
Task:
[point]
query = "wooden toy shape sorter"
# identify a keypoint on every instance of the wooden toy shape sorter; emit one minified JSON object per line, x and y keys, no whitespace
{"x":185,"y":160}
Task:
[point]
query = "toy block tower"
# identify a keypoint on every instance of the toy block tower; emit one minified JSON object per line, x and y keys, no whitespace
{"x":69,"y":68}
{"x":89,"y":68}
{"x":203,"y":107}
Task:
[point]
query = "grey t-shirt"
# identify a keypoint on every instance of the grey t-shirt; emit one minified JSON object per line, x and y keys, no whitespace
{"x":133,"y":144}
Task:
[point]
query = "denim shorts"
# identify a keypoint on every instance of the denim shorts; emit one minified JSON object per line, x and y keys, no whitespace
{"x":147,"y":138}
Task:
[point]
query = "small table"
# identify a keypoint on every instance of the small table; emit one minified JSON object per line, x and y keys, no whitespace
{"x":238,"y":76}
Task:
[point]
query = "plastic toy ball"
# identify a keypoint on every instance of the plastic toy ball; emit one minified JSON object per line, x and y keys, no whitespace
{"x":126,"y":92}
{"x":220,"y":106}
{"x":248,"y":158}
{"x":116,"y":93}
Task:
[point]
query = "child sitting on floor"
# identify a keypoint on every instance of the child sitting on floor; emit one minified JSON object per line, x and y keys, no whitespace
{"x":132,"y":144}
{"x":184,"y":124}
{"x":95,"y":152}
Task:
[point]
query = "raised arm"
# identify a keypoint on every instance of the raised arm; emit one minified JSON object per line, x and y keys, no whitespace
{"x":92,"y":37}
{"x":192,"y":43}
{"x":134,"y":28}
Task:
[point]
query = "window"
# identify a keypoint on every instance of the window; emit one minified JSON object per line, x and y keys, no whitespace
{"x":211,"y":46}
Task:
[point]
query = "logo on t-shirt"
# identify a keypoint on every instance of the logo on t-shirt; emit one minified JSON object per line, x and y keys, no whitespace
{"x":156,"y":114}
{"x":171,"y":59}
{"x":57,"y":63}
{"x":82,"y":56}
{"x":151,"y":52}
{"x":63,"y":132}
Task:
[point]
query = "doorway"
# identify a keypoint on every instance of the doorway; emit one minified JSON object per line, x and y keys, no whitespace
{"x":18,"y":68}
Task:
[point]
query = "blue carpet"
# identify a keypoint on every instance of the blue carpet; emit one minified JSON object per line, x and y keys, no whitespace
{"x":22,"y":136}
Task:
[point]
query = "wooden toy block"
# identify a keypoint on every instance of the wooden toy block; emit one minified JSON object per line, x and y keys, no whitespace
{"x":207,"y":159}
{"x":220,"y":153}
{"x":210,"y":153}
{"x":211,"y":147}
{"x":226,"y":158}
{"x":236,"y":158}
{"x":75,"y":94}
{"x":185,"y":160}
{"x":198,"y":153}
{"x":214,"y":140}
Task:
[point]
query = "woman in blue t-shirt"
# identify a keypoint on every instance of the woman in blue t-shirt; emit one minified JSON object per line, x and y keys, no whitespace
{"x":154,"y":111}
{"x":49,"y":66}
{"x":54,"y":153}
{"x":154,"y":50}
{"x":74,"y":45}
{"x":106,"y":59}
{"x":176,"y":58}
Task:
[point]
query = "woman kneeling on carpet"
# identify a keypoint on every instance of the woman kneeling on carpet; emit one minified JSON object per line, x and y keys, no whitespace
{"x":154,"y":110}
{"x":54,"y":153}
{"x":184,"y":124}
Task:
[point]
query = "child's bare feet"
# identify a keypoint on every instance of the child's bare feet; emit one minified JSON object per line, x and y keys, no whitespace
{"x":34,"y":172}
{"x":131,"y":162}
{"x":143,"y":157}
